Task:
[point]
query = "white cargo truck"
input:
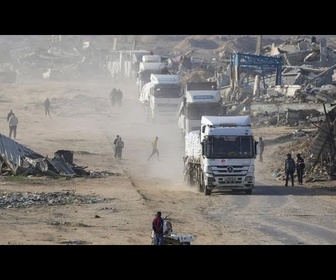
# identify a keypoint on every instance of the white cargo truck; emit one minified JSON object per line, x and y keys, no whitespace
{"x":151,"y":64}
{"x":162,"y":97}
{"x":200,"y":98}
{"x":221,"y":154}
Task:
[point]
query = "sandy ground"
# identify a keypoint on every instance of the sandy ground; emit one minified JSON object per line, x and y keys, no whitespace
{"x":83,"y":120}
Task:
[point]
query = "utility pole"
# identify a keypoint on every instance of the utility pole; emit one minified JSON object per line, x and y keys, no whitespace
{"x":259,"y":45}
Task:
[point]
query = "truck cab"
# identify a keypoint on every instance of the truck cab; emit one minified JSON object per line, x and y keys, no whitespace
{"x":199,"y":99}
{"x":162,"y":97}
{"x":228,"y":153}
{"x":221,"y":154}
{"x":151,"y":64}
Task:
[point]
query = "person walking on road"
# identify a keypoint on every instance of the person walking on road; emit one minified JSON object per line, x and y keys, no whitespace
{"x":155,"y":149}
{"x":115,"y":146}
{"x":13,"y":122}
{"x":157,"y":227}
{"x":119,"y":97}
{"x":289,"y":169}
{"x":119,"y":147}
{"x":300,"y":166}
{"x":47,"y":107}
{"x":113,"y":97}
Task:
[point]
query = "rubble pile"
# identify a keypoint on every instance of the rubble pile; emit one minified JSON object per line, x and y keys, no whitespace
{"x":194,"y":76}
{"x":26,"y":200}
{"x":319,"y":165}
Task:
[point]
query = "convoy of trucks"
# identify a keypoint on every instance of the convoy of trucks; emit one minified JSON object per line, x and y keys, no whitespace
{"x":221,"y":154}
{"x":162,"y":97}
{"x":220,"y":149}
{"x":200,"y":98}
{"x":150,"y":64}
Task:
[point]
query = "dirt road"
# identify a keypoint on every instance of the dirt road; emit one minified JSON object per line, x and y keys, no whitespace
{"x":132,"y":189}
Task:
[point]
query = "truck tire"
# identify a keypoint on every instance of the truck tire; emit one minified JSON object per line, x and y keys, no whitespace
{"x":200,"y":184}
{"x":207,"y":191}
{"x":248,"y":191}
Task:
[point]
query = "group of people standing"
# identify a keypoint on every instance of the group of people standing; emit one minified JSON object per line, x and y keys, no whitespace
{"x":116,"y":97}
{"x":291,"y":166}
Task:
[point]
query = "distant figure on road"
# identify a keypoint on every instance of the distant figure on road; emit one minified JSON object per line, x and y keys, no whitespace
{"x":261,"y":148}
{"x":13,"y":122}
{"x":155,"y":148}
{"x":9,"y":115}
{"x":115,"y":146}
{"x":119,"y":147}
{"x":113,"y":97}
{"x":119,"y":97}
{"x":300,"y":166}
{"x":47,"y":107}
{"x":289,"y":169}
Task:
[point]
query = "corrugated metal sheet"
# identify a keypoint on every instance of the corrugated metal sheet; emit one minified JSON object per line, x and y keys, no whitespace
{"x":23,"y":160}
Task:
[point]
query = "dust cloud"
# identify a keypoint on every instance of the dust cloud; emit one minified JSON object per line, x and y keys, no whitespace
{"x":130,"y":122}
{"x":82,"y":118}
{"x":138,"y":134}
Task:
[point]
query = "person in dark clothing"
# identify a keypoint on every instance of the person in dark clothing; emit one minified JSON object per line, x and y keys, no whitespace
{"x":119,"y":145}
{"x":47,"y":107}
{"x":115,"y":146}
{"x":289,"y":169}
{"x":9,"y":115}
{"x":300,"y":166}
{"x":119,"y":96}
{"x":113,"y":96}
{"x":157,"y":226}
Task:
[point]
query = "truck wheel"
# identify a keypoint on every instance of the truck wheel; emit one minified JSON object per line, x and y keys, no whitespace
{"x":248,"y":191}
{"x":201,"y":187}
{"x":207,"y":191}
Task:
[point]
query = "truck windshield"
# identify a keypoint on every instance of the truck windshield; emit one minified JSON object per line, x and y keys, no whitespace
{"x":229,"y":147}
{"x":173,"y":91}
{"x":196,"y":111}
